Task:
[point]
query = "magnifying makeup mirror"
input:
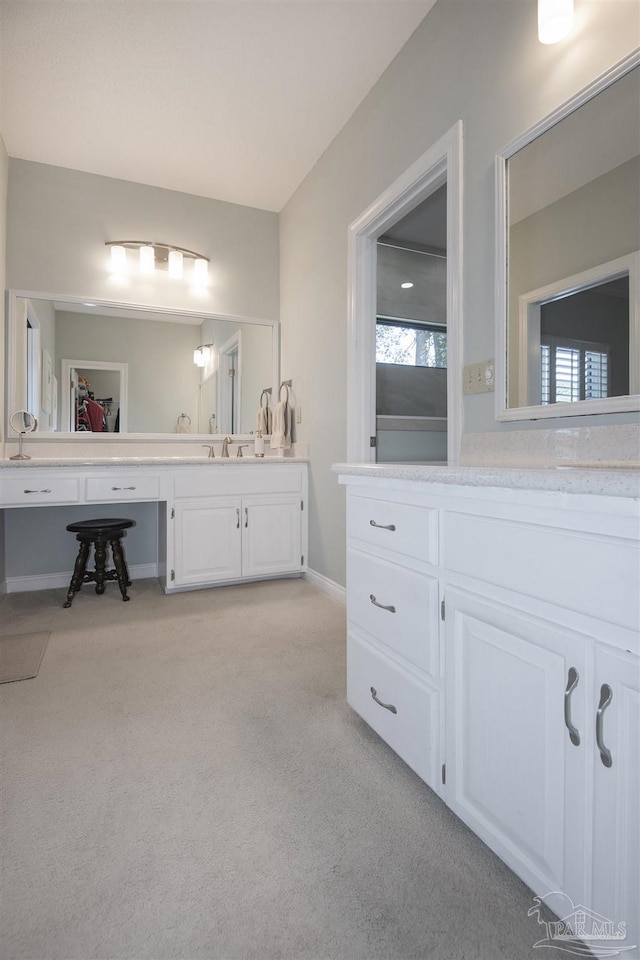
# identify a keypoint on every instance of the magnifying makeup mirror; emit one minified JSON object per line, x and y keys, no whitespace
{"x":22,"y":422}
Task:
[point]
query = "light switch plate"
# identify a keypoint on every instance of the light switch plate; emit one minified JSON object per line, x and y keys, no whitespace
{"x":479,"y":377}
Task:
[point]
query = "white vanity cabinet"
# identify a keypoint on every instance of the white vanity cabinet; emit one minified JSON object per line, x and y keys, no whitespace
{"x":249,"y":524}
{"x":519,"y":610}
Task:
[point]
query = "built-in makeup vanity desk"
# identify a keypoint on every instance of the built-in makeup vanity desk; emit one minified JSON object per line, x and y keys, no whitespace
{"x":493,"y":620}
{"x":219,"y":521}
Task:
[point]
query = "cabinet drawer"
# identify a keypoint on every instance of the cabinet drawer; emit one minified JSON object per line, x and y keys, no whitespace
{"x":33,"y":488}
{"x":591,"y":573}
{"x":116,"y":488}
{"x":411,"y":726}
{"x":246,"y":480}
{"x":402,"y":527}
{"x":399,"y":607}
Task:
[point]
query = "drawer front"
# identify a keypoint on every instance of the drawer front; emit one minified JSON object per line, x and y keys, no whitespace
{"x":33,"y":488}
{"x":399,"y":607}
{"x":213,"y":480}
{"x":116,"y":488}
{"x":404,"y":528}
{"x":595,"y":575}
{"x":410,"y":727}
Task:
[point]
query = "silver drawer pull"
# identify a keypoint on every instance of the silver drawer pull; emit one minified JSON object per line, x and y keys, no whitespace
{"x":38,"y":491}
{"x":572,"y":682}
{"x":606,"y":696}
{"x":382,"y":526}
{"x":387,"y":706}
{"x":123,"y":488}
{"x":382,"y":606}
{"x":237,"y":518}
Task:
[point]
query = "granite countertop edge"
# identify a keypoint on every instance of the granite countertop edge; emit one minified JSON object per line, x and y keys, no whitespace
{"x":51,"y":462}
{"x":562,"y":478}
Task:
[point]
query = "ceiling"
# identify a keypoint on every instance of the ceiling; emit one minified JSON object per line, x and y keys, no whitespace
{"x":230,"y":99}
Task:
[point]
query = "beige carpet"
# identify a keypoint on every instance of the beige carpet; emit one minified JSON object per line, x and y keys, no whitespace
{"x":185,"y":781}
{"x":21,"y":655}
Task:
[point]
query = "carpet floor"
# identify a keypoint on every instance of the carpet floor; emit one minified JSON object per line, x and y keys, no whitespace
{"x":184,"y":780}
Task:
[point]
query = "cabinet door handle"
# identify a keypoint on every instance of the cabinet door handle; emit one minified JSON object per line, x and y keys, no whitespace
{"x":237,"y":518}
{"x":246,"y":517}
{"x":606,"y":696}
{"x":382,"y":606}
{"x":572,"y":682}
{"x":387,"y":706}
{"x":382,"y":526}
{"x":38,"y":491}
{"x":123,"y":488}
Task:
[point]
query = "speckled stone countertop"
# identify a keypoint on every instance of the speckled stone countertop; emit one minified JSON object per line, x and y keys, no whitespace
{"x":202,"y":461}
{"x":612,"y":482}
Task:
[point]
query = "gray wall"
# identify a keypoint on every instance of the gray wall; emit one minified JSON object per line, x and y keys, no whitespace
{"x":4,"y":174}
{"x":479,"y":62}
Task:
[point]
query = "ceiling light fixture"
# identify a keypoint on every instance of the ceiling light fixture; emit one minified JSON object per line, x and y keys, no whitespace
{"x":202,"y":354}
{"x":158,"y":256}
{"x":406,"y":286}
{"x":555,"y":20}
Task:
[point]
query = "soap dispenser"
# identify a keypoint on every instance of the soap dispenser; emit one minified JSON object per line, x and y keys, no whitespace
{"x":258,"y":445}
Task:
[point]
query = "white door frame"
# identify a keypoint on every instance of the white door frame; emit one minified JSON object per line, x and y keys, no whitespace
{"x":442,"y":163}
{"x":232,"y":348}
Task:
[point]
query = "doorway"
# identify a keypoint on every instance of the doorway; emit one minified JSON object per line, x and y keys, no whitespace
{"x":436,"y":174}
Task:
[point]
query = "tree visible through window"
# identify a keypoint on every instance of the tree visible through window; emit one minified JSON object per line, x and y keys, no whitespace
{"x":411,"y":343}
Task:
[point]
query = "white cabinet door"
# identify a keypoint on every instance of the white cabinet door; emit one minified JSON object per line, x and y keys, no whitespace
{"x":616,"y":812}
{"x":514,"y":687}
{"x":207,"y":541}
{"x":271,"y":536}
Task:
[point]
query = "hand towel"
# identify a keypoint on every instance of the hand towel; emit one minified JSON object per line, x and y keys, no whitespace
{"x":281,"y":432}
{"x":264,"y":421}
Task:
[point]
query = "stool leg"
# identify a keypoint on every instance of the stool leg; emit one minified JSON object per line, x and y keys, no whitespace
{"x":101,"y":565}
{"x":78,"y":572}
{"x":121,"y":567}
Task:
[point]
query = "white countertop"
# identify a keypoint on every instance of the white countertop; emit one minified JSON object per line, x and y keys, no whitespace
{"x":609,"y":481}
{"x":177,"y":461}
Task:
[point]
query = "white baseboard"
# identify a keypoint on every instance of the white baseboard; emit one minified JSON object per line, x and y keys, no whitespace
{"x":333,"y":589}
{"x":52,"y":581}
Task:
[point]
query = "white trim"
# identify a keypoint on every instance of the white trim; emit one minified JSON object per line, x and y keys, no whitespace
{"x":55,"y":581}
{"x":501,"y":230}
{"x":330,"y":587}
{"x":441,"y":164}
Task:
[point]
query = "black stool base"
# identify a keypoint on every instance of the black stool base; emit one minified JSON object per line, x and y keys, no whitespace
{"x":100,"y":533}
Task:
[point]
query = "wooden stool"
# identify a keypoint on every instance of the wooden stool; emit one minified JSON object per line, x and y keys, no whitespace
{"x":99,"y":533}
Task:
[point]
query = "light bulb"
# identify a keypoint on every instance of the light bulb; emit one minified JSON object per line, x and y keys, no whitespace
{"x":118,"y":259}
{"x":175,"y":263}
{"x":200,"y":270}
{"x":147,"y":259}
{"x":555,"y":19}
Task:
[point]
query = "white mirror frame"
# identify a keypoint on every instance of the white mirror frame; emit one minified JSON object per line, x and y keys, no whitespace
{"x":553,"y":410}
{"x":14,"y":384}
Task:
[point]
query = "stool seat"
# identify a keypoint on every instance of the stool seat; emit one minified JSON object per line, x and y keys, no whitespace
{"x":100,"y":532}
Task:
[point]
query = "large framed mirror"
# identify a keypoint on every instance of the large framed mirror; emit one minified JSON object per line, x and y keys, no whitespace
{"x":91,"y":370}
{"x":568,"y":257}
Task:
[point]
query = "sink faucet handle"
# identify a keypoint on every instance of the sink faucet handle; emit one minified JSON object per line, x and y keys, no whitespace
{"x":209,"y":447}
{"x":240,"y":446}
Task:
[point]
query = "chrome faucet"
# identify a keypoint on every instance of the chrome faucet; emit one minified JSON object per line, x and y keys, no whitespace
{"x":225,"y":447}
{"x":211,"y":454}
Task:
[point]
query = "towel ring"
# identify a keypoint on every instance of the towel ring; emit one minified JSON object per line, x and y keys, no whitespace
{"x":265,"y":393}
{"x":286,"y":386}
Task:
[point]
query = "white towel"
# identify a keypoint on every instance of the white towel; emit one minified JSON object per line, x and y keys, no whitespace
{"x":281,"y":432}
{"x":264,"y":421}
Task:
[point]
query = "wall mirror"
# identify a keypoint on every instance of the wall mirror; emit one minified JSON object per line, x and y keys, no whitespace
{"x":75,"y":360}
{"x":568,"y":257}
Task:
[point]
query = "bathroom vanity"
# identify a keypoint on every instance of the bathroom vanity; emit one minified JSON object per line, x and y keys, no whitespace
{"x":493,"y":619}
{"x":219,"y":521}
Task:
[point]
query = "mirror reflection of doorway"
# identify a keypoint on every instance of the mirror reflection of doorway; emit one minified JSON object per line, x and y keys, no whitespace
{"x":229,"y":385}
{"x":411,"y":336}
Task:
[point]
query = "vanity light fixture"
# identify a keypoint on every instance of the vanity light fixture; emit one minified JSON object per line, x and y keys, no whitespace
{"x":158,"y":256}
{"x":202,"y":354}
{"x":406,"y":286}
{"x":555,"y":20}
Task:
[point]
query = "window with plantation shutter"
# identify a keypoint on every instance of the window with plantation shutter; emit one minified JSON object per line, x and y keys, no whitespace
{"x":573,"y":370}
